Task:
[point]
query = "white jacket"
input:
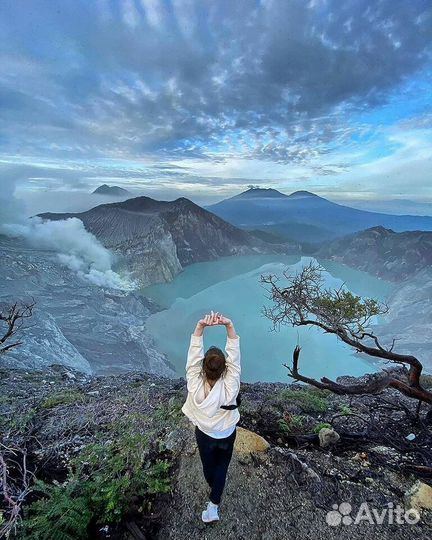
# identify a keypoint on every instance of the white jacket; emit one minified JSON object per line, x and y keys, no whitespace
{"x":205,"y":412}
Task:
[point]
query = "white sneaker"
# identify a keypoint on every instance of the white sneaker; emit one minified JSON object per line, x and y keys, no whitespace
{"x":211,"y":513}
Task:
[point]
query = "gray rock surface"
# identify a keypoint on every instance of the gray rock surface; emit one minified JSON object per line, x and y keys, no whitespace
{"x":409,"y":319}
{"x":383,"y":252}
{"x":75,"y":323}
{"x":405,"y":258}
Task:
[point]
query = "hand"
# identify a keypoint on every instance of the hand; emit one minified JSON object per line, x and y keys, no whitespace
{"x":215,"y":319}
{"x":223,"y":320}
{"x":209,"y":320}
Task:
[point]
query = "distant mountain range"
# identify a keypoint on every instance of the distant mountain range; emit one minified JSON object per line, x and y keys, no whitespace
{"x":112,"y":191}
{"x":392,"y":206}
{"x":305,"y":217}
{"x":156,"y":239}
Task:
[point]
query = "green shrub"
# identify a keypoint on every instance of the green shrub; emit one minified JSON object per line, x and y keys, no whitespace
{"x":157,"y":478}
{"x":104,"y":480}
{"x":63,"y":398}
{"x":310,"y":400}
{"x":20,"y":422}
{"x":61,"y":514}
{"x":344,"y":410}
{"x":320,"y":426}
{"x":169,"y":411}
{"x":291,"y":424}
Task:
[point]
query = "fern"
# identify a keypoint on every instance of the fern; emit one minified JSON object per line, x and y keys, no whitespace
{"x":61,"y":514}
{"x":104,"y":479}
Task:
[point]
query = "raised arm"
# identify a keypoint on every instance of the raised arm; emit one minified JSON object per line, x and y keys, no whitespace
{"x":196,"y":353}
{"x":233,"y":356}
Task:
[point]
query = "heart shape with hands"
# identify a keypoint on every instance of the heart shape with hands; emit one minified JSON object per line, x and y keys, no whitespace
{"x":214,"y":319}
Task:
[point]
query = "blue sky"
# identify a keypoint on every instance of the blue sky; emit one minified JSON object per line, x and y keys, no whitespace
{"x":200,"y":98}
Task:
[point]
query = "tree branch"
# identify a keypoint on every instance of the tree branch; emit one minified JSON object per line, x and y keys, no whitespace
{"x":13,"y":318}
{"x":373,"y":385}
{"x":306,"y":302}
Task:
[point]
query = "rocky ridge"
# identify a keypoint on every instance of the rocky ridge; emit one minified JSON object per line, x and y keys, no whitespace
{"x":155,"y":240}
{"x":283,"y":489}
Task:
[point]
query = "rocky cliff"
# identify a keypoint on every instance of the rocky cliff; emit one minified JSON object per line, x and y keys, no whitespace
{"x":84,"y":326}
{"x":405,"y":258}
{"x":118,"y":456}
{"x":156,"y":239}
{"x":382,"y":252}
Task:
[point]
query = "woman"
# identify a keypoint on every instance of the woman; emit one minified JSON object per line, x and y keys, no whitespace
{"x":213,"y":382}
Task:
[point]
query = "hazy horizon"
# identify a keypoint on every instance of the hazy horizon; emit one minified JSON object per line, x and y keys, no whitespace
{"x":80,"y":201}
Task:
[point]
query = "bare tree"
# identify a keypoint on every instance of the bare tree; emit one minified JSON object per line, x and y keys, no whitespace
{"x":12,"y":321}
{"x":14,"y":487}
{"x":306,"y":302}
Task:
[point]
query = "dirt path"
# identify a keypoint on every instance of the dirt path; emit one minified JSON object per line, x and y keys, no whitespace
{"x":262,"y":501}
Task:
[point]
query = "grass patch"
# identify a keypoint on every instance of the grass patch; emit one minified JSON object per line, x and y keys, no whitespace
{"x":344,"y":410}
{"x":321,"y":426}
{"x":21,"y":422}
{"x":63,"y":398}
{"x":292,"y":423}
{"x":169,"y":412}
{"x":309,"y":400}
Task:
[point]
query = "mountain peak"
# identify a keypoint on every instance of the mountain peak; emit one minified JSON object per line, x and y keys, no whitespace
{"x":138,"y":204}
{"x":303,"y":193}
{"x":144,"y":204}
{"x":255,"y":192}
{"x":114,"y":191}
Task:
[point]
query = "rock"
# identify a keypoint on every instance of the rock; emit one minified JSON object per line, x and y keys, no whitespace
{"x":385,"y":451}
{"x":328,"y":437}
{"x":247,"y":442}
{"x":86,"y":327}
{"x":175,"y":440}
{"x":302,"y":465}
{"x":245,"y":459}
{"x":362,"y":458}
{"x":419,"y":496}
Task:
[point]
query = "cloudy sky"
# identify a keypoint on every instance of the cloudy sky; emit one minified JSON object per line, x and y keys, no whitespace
{"x":200,"y":98}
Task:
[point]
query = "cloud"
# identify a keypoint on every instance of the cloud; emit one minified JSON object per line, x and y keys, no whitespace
{"x":292,"y":93}
{"x":76,"y":249}
{"x":169,"y":77}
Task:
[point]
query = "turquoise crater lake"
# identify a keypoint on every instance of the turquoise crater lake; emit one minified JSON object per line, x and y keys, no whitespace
{"x":232,"y":286}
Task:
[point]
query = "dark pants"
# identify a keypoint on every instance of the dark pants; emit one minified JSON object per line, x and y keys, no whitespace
{"x":215,"y":457}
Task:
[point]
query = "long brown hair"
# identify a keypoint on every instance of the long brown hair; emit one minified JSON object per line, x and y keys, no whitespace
{"x":214,"y":363}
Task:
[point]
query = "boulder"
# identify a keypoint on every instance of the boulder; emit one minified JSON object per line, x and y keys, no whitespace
{"x":327,"y":437}
{"x":248,"y":442}
{"x":419,"y":496}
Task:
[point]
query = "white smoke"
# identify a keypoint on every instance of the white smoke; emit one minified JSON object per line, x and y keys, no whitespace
{"x":76,"y":248}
